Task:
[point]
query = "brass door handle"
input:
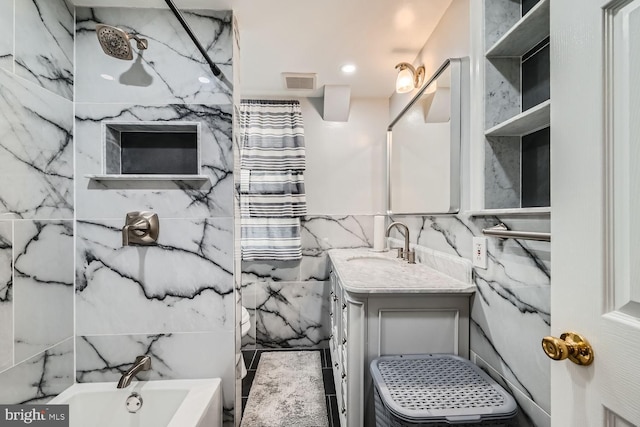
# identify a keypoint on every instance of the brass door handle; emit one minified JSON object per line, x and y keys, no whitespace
{"x":570,"y":346}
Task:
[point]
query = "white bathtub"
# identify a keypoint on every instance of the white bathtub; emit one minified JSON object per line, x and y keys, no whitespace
{"x":166,"y":403}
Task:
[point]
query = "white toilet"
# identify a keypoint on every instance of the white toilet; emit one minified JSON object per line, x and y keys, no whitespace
{"x":244,"y":328}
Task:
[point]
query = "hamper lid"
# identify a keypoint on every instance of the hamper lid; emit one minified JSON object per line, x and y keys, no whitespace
{"x":439,"y":388}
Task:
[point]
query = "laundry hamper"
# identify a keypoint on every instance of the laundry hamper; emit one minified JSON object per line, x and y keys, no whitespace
{"x":435,"y":390}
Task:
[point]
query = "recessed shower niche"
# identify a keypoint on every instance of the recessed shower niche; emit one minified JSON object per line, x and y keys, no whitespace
{"x":150,"y":151}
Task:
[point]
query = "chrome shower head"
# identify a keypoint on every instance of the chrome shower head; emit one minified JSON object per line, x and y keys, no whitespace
{"x":115,"y":42}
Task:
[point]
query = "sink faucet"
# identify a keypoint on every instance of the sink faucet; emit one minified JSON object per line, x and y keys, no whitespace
{"x":142,"y":363}
{"x":405,"y":253}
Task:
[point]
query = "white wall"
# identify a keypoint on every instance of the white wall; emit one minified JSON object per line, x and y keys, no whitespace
{"x":450,"y":39}
{"x":346,"y":160}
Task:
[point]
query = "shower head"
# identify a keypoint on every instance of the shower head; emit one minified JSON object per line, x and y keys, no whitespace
{"x":115,"y":42}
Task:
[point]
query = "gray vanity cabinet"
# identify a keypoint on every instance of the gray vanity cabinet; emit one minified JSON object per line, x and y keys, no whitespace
{"x":366,"y":325}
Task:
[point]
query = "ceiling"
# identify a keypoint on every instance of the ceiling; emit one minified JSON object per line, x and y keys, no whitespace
{"x":279,"y":36}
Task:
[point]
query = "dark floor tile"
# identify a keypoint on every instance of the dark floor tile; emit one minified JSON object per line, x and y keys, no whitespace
{"x":323,"y":360}
{"x":334,"y":415}
{"x":247,"y":381}
{"x":256,"y":358}
{"x":328,"y":402}
{"x":327,"y":357}
{"x":244,"y":403}
{"x":248,"y":355}
{"x":327,"y":378}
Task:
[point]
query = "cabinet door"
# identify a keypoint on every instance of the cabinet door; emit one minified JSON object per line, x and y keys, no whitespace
{"x":418,"y":325}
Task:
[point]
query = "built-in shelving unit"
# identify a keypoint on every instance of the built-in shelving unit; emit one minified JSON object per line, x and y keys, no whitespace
{"x":524,"y":35}
{"x":517,"y":106}
{"x":532,"y":120}
{"x":149,"y":177}
{"x":511,"y":212}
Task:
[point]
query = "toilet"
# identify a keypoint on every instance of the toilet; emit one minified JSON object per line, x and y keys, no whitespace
{"x":245,"y":325}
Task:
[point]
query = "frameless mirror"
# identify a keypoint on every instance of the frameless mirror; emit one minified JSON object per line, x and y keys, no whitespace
{"x":423,"y":148}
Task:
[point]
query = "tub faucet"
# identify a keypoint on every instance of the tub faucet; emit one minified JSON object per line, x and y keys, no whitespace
{"x":405,"y":253}
{"x":142,"y":363}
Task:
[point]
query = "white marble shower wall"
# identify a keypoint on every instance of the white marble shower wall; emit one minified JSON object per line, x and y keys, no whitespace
{"x":511,"y":307}
{"x":36,"y":200}
{"x":174,"y":301}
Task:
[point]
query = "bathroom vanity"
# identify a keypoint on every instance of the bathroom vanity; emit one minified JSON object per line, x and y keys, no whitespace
{"x":382,"y":305}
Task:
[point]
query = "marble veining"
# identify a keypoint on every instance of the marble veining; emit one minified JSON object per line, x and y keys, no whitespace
{"x":290,"y":314}
{"x":44,"y":44}
{"x":452,"y":266}
{"x":40,"y":378}
{"x":512,"y":296}
{"x":43,"y":285}
{"x":104,"y":358}
{"x":196,"y":297}
{"x":168,"y":71}
{"x":362,"y":271}
{"x":110,"y":199}
{"x":502,"y":172}
{"x":502,"y":90}
{"x":323,"y":232}
{"x":318,"y":235}
{"x":36,"y":151}
{"x":532,"y":416}
{"x":272,"y":291}
{"x":6,"y":34}
{"x":499,"y":17}
{"x":6,"y":297}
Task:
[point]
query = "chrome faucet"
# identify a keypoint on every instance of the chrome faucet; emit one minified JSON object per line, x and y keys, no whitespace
{"x":405,"y":253}
{"x":142,"y":363}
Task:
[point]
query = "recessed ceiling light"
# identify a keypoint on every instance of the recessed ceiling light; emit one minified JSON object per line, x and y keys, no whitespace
{"x":204,"y":80}
{"x":348,"y":68}
{"x":106,"y":77}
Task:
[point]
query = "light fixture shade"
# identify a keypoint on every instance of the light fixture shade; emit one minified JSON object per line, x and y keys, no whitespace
{"x":404,"y":81}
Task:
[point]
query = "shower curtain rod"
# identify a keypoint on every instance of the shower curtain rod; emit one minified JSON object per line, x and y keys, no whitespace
{"x":214,"y":68}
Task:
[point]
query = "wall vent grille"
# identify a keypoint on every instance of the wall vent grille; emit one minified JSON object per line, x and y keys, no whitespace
{"x":299,"y":81}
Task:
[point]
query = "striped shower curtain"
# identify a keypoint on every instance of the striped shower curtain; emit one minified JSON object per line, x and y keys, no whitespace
{"x":272,"y":163}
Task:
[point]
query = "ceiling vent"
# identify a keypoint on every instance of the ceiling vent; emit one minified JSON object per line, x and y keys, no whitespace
{"x":299,"y":81}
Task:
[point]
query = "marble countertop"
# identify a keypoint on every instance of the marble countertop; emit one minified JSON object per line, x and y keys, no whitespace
{"x":363,"y":271}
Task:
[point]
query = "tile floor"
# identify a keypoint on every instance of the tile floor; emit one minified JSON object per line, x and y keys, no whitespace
{"x":252,"y":357}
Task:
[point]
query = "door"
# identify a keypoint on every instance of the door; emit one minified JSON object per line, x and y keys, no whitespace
{"x":595,"y":221}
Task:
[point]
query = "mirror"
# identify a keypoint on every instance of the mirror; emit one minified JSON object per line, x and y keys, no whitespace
{"x":423,"y":148}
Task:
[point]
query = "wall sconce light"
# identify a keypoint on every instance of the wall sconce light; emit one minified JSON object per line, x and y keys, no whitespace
{"x":409,"y":78}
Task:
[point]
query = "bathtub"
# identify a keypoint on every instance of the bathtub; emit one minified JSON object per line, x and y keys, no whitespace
{"x":166,"y":403}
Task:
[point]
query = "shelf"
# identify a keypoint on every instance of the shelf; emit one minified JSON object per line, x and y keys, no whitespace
{"x":534,"y":119}
{"x":511,"y":212}
{"x":148,"y":177}
{"x":525,"y":34}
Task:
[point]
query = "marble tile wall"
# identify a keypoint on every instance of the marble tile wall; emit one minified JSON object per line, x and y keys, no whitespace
{"x":237,"y":262}
{"x":44,"y":44}
{"x":6,"y":295}
{"x":36,"y":150}
{"x":167,"y":72}
{"x":36,"y":200}
{"x":42,"y":285}
{"x":288,"y":301}
{"x":511,"y":308}
{"x":174,"y":300}
{"x":6,"y":34}
{"x":502,"y":181}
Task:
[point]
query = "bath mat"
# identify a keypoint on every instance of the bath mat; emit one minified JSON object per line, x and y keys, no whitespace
{"x":287,"y":391}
